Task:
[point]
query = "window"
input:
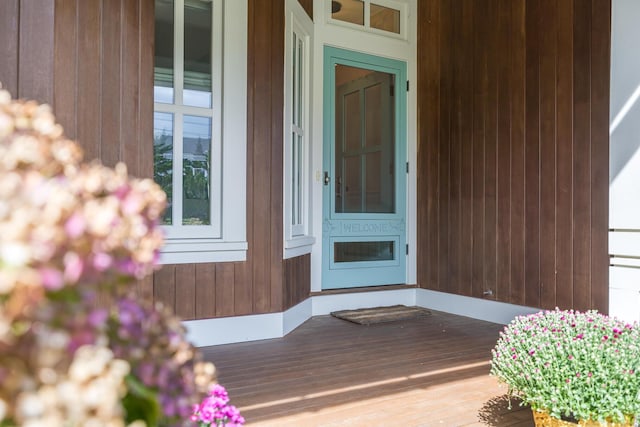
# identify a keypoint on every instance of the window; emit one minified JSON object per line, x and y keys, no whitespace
{"x":298,"y":29}
{"x":378,"y":16}
{"x":199,"y":152}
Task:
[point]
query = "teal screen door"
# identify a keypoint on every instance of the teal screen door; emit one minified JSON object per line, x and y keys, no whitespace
{"x":364,"y":159}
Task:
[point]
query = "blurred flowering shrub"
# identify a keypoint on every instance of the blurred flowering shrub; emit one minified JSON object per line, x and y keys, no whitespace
{"x":584,"y":366}
{"x":76,"y":348}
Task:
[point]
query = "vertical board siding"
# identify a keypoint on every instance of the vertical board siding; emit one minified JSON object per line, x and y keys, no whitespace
{"x":35,"y":58}
{"x":581,"y":149}
{"x":297,"y":273}
{"x":532,"y":156}
{"x":276,"y":121}
{"x":185,"y":294}
{"x":600,"y":78}
{"x":513,"y":150}
{"x":205,"y":285}
{"x":428,"y":69}
{"x":65,"y":94}
{"x":9,"y":30}
{"x":102,"y":98}
{"x":26,"y":48}
{"x":518,"y":190}
{"x":480,"y":93}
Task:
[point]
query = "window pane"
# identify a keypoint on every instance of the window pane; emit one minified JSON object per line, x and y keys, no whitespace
{"x":298,"y":189}
{"x":363,"y":251}
{"x":196,"y":168}
{"x":294,"y":82}
{"x":364,"y":141}
{"x":373,"y":115}
{"x":385,"y":18}
{"x":348,"y":11}
{"x":163,"y":59}
{"x":197,"y":53}
{"x":163,"y":158}
{"x":352,"y":184}
{"x":299,"y":83}
{"x":352,"y":122}
{"x":294,"y":177}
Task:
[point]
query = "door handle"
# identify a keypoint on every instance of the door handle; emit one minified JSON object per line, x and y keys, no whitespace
{"x":326,"y":178}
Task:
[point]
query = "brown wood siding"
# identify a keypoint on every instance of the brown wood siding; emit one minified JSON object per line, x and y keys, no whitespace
{"x":103,"y":82}
{"x":101,"y":94}
{"x":26,"y":48}
{"x":297,"y":274}
{"x":92,"y":60}
{"x":513,"y":150}
{"x":9,"y":25}
{"x":307,"y":6}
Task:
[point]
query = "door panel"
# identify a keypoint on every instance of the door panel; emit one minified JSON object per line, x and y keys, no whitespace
{"x":364,"y":200}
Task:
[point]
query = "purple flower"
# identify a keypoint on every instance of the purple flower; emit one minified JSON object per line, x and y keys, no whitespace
{"x":51,"y":278}
{"x":97,"y":317}
{"x":75,"y":225}
{"x":215,"y":411}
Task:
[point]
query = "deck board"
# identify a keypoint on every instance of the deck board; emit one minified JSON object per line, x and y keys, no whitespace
{"x":431,"y":371}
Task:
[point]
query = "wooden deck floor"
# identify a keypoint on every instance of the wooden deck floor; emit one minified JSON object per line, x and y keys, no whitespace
{"x":329,"y":372}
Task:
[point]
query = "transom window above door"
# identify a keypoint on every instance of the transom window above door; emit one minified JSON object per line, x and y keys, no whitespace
{"x":385,"y":17}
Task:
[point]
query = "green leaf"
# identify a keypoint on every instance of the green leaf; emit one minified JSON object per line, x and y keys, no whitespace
{"x":141,"y":403}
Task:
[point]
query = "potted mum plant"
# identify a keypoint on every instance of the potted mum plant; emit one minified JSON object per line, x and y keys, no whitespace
{"x":572,"y":368}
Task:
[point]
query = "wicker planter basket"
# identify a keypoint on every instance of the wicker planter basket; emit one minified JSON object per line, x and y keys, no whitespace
{"x":542,"y":419}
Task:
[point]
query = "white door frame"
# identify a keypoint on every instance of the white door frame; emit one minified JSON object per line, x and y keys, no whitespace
{"x":329,"y":34}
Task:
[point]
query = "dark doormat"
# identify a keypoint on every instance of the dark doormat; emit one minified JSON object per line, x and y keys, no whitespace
{"x":370,"y":316}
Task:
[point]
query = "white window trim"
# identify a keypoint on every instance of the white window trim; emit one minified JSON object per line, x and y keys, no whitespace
{"x":297,"y":239}
{"x":397,"y":5}
{"x":226,"y":239}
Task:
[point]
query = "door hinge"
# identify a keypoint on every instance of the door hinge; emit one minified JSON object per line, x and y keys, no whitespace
{"x":407,"y":167}
{"x":407,"y":249}
{"x":407,"y":85}
{"x":392,"y":91}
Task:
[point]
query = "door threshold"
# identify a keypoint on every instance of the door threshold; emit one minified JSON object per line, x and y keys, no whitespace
{"x":361,"y":289}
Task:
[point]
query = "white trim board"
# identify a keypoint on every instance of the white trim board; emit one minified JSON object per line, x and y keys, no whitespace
{"x":476,"y":308}
{"x":228,"y":330}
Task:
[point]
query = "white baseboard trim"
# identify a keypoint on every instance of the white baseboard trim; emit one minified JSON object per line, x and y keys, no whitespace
{"x":226,"y":330}
{"x":476,"y":308}
{"x":236,"y":329}
{"x":296,"y":316}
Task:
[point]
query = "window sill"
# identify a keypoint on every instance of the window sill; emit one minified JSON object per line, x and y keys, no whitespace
{"x":298,"y":246}
{"x":189,"y":251}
